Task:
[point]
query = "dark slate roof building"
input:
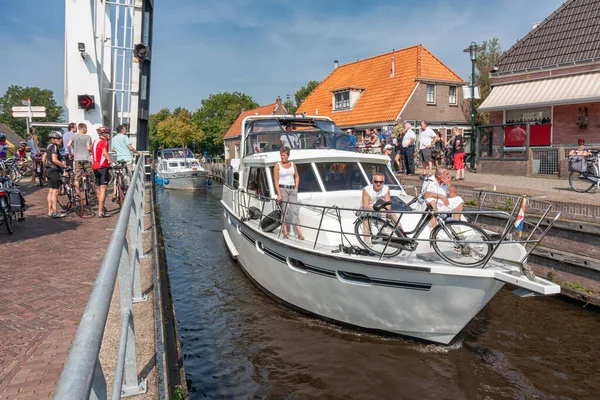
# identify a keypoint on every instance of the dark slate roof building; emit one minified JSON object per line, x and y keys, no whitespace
{"x":569,"y":36}
{"x":12,"y":138}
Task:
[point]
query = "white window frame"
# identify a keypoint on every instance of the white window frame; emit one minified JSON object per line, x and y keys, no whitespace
{"x":343,"y":103}
{"x":427,"y":94}
{"x":452,"y":100}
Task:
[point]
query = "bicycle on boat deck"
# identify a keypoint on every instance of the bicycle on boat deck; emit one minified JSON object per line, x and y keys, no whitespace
{"x":458,"y":242}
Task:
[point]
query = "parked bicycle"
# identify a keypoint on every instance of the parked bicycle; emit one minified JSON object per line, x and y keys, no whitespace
{"x":70,"y":198}
{"x":12,"y":204}
{"x":457,"y":242}
{"x":584,"y":181}
{"x":120,"y":182}
{"x":38,"y":170}
{"x":87,"y":188}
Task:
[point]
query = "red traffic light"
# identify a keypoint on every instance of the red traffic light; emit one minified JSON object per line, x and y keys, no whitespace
{"x":85,"y":102}
{"x":141,"y":51}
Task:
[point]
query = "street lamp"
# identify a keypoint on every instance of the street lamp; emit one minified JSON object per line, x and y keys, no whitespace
{"x":473,"y":49}
{"x":288,"y":103}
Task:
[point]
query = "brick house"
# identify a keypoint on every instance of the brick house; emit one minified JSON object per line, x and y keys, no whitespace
{"x":231,"y":140}
{"x":404,"y":85}
{"x":551,"y":79}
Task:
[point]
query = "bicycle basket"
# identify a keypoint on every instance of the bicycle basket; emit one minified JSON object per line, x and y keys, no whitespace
{"x":577,"y":164}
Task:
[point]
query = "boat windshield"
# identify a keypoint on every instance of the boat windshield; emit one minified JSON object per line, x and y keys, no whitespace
{"x":271,"y":134}
{"x":176,"y":153}
{"x":372,"y":168}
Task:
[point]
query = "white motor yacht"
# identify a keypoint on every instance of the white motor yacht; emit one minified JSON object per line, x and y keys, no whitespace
{"x":419,"y":286}
{"x":179,"y":169}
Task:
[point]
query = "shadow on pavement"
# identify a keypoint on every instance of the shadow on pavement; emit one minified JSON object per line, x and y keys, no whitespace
{"x":36,"y":226}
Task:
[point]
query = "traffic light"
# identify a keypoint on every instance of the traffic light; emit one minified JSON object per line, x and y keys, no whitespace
{"x":140,"y":51}
{"x":85,"y":102}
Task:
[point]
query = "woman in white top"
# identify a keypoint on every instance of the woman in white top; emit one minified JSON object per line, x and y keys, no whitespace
{"x":286,"y":185}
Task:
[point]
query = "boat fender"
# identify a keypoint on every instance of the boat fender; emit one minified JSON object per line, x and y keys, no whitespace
{"x":209,"y":182}
{"x":166,"y":181}
{"x":158,"y":180}
{"x":254,"y":212}
{"x":271,"y":221}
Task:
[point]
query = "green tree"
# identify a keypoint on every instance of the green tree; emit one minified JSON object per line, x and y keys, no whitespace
{"x":155,"y":119}
{"x":486,"y":60}
{"x":14,"y":96}
{"x":304,"y":91}
{"x":216,"y":115}
{"x":179,"y":129}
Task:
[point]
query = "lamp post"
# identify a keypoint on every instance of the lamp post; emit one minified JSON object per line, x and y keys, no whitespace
{"x":472,"y":50}
{"x":288,"y":103}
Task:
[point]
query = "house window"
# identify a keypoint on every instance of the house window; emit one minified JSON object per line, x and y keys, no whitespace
{"x":342,"y":100}
{"x":236,"y":151}
{"x":537,"y":115}
{"x":430,"y":94}
{"x":452,"y":95}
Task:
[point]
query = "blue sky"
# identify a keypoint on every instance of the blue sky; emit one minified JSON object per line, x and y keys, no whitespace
{"x":265,"y":48}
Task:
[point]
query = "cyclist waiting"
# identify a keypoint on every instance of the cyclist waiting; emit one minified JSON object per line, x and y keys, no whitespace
{"x":34,"y":151}
{"x":54,"y":165}
{"x":441,"y":194}
{"x":122,"y":146}
{"x":81,"y":143}
{"x":101,"y":161}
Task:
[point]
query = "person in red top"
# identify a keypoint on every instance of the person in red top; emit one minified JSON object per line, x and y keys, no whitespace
{"x":101,"y":162}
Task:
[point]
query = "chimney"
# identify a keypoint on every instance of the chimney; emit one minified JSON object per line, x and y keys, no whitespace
{"x":335,"y":64}
{"x":279,"y":101}
{"x":393,"y":68}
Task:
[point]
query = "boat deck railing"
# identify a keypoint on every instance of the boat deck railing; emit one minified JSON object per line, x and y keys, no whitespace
{"x":485,"y":213}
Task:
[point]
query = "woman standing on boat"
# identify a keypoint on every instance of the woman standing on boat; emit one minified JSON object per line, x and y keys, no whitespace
{"x":286,"y":184}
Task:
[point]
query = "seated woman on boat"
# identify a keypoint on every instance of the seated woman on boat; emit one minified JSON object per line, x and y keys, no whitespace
{"x":286,"y":185}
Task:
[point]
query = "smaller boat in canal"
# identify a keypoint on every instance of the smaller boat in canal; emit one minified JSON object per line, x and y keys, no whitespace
{"x":426,"y":280}
{"x":178,"y":169}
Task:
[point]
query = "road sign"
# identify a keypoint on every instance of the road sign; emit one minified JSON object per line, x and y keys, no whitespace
{"x":26,"y":114}
{"x":26,"y":108}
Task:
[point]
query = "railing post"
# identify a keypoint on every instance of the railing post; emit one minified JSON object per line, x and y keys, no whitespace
{"x":135,"y":237}
{"x":132,"y":385}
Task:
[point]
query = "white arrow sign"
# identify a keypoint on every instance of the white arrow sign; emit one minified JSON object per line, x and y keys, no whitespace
{"x":26,"y":108}
{"x":26,"y":114}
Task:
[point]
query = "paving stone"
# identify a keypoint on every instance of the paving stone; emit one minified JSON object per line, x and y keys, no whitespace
{"x":46,"y":276}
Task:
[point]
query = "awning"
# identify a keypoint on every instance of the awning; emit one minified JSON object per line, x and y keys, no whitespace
{"x":547,"y":92}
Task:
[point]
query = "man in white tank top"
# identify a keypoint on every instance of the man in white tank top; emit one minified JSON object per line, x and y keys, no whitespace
{"x":375,"y":191}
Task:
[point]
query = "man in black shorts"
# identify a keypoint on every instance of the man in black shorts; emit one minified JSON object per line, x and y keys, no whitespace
{"x":54,"y":166}
{"x":101,"y":162}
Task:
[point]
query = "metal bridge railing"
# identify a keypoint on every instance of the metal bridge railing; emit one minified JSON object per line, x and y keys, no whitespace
{"x":82,"y":376}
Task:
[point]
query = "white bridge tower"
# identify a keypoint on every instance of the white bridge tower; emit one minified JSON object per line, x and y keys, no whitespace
{"x":107,"y":64}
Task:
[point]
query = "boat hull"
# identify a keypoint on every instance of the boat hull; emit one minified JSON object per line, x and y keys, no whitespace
{"x":405,"y":300}
{"x":183,"y":180}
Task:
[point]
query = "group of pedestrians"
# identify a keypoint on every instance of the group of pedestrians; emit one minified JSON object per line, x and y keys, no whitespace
{"x":77,"y":150}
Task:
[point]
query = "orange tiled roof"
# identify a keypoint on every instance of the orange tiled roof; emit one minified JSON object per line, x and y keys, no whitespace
{"x":235,"y":129}
{"x":383,"y":97}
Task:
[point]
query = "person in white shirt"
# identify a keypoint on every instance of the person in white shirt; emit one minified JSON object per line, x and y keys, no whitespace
{"x":440,"y":193}
{"x":289,"y":138}
{"x":287,"y":180}
{"x":425,"y":139}
{"x":387,"y":152}
{"x":408,"y":148}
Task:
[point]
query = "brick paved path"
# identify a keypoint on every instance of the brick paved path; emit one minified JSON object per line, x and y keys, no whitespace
{"x":47,"y":270}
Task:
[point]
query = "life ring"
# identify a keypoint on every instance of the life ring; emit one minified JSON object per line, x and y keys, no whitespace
{"x":271,"y":221}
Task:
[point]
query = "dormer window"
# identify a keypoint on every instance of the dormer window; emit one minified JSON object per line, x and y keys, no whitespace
{"x":343,"y":99}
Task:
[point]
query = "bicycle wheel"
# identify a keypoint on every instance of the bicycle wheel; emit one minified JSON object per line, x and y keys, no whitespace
{"x":373,"y":232}
{"x":64,"y":201}
{"x":41,"y":176}
{"x":447,"y":240}
{"x":15,"y":174}
{"x":91,"y":192}
{"x":578,"y":183}
{"x":7,"y":217}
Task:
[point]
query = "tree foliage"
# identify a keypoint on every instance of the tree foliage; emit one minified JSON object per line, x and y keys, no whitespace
{"x":155,"y":119}
{"x":178,"y":129}
{"x":486,"y":59}
{"x":216,"y":115}
{"x":304,"y":91}
{"x":14,"y":96}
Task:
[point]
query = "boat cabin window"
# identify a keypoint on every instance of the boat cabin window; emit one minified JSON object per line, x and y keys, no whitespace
{"x":257,"y":182}
{"x":308,"y":180}
{"x":372,"y":168}
{"x":341,"y":176}
{"x":270,"y":135}
{"x":176,"y":153}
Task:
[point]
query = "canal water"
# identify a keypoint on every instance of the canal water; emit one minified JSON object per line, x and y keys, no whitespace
{"x":238,"y":343}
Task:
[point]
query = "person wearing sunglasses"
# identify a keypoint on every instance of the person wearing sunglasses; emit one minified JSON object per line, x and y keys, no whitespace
{"x":375,"y":191}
